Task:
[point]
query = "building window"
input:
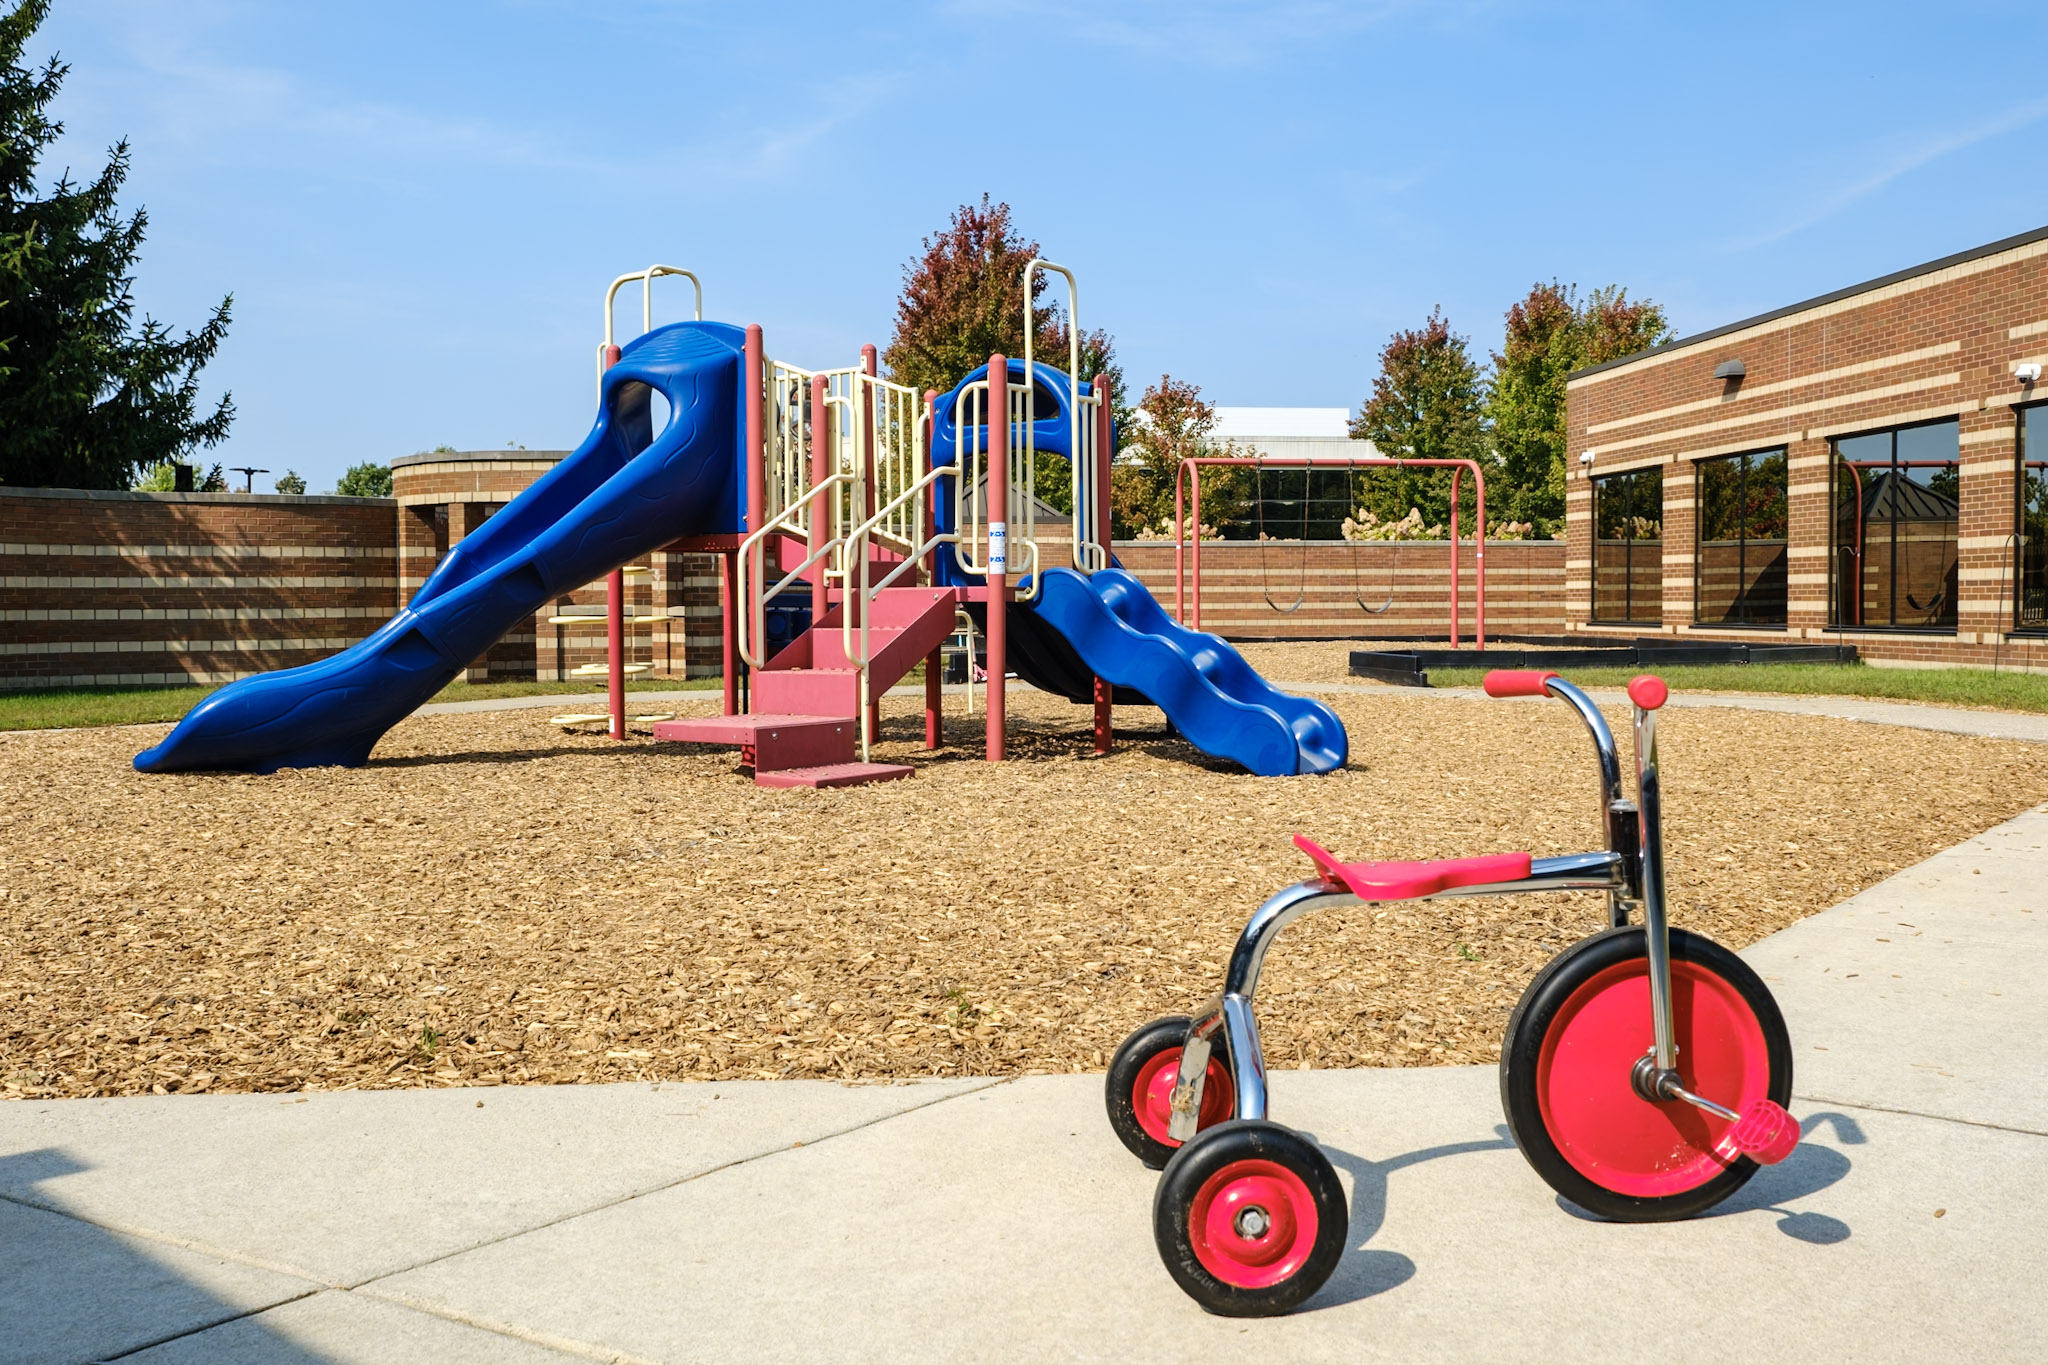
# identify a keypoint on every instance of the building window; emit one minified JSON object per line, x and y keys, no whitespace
{"x":1739,"y":563}
{"x":1895,"y":497}
{"x":1628,"y":547}
{"x":2031,"y":599}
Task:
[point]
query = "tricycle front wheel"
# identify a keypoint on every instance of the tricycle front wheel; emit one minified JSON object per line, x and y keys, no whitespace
{"x":1565,"y":1074}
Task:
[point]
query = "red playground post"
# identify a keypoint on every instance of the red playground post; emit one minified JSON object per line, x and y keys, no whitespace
{"x":935,"y":662}
{"x":854,"y":605}
{"x":821,"y":502}
{"x":1104,"y":435}
{"x":615,"y":624}
{"x":997,"y":498}
{"x":757,"y":497}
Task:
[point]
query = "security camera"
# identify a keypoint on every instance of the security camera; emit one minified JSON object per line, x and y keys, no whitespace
{"x":2028,"y":372}
{"x":1585,"y":457}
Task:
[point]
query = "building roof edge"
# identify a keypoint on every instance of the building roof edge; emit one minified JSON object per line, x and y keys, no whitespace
{"x":1974,"y":253}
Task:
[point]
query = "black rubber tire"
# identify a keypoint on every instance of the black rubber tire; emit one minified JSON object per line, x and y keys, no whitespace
{"x":1119,"y":1087}
{"x":1533,"y":1016}
{"x":1209,"y":1152}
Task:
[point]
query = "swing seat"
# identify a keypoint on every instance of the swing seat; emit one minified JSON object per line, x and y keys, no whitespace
{"x":1412,"y":881}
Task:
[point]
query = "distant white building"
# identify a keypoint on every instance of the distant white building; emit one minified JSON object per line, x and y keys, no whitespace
{"x":1322,"y":433}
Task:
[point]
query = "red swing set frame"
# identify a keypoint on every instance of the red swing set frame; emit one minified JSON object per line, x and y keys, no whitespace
{"x":1187,"y":498}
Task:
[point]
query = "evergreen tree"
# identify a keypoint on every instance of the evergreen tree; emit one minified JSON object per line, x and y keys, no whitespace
{"x":963,"y":301}
{"x":1426,"y":403}
{"x":1550,"y":334}
{"x":87,"y":396}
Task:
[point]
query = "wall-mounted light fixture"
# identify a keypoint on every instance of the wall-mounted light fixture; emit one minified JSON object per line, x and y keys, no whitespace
{"x":1730,"y":369}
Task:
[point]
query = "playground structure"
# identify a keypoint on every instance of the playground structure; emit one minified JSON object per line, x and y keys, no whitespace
{"x":1187,"y":533}
{"x":825,"y":484}
{"x":1644,"y":1074}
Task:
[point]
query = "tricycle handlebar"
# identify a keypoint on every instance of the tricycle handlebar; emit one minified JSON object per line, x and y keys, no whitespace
{"x":1518,"y":682}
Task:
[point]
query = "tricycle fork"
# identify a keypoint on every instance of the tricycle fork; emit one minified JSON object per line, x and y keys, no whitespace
{"x":1656,"y":917}
{"x":1232,"y":1010}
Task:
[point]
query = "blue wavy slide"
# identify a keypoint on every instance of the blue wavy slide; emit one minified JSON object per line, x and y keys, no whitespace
{"x":1218,"y":701}
{"x":627,"y":490}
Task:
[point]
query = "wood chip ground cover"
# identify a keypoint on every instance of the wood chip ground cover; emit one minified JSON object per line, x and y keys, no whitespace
{"x":492,"y":900}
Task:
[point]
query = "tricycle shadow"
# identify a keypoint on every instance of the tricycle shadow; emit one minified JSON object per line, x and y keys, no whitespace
{"x":1810,"y":1169}
{"x":1365,"y":1272}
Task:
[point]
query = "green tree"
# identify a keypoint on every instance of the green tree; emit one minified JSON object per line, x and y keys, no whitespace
{"x":1549,"y":334}
{"x":963,"y":301}
{"x":366,"y":480}
{"x":1428,"y":402}
{"x":87,"y":395}
{"x":291,"y":483}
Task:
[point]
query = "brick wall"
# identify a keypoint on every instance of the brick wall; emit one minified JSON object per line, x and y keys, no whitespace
{"x":1246,"y":583}
{"x":1936,"y":342}
{"x":444,"y":496}
{"x":103,"y":588}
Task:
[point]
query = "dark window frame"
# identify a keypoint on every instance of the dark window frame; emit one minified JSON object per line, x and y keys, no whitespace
{"x":1629,"y":516}
{"x":2019,"y":520}
{"x":1699,"y":532}
{"x":1836,"y":465}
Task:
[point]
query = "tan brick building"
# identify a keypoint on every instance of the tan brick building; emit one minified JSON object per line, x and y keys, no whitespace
{"x":445,"y":495}
{"x":1852,"y":469}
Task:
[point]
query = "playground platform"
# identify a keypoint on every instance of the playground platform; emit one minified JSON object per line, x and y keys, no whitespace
{"x":999,"y":1220}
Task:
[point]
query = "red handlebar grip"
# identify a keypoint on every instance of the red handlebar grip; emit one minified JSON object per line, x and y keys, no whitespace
{"x":1517,"y":682}
{"x":1648,"y":691}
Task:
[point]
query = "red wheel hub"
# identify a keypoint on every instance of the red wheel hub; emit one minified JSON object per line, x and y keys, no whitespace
{"x":1253,"y":1224}
{"x":1152,"y":1094}
{"x":1609,"y":1133}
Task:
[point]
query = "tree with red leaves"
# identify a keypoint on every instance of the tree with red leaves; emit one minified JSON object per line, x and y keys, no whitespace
{"x":963,"y":301}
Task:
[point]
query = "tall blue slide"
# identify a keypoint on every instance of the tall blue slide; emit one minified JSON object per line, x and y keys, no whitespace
{"x":1110,"y":626}
{"x":627,"y":490}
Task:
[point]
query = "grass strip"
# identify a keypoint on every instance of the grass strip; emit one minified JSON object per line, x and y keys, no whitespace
{"x":83,"y":707}
{"x":1941,"y":686}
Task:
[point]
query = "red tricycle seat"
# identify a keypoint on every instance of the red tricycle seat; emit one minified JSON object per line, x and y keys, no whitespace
{"x":1407,"y":881}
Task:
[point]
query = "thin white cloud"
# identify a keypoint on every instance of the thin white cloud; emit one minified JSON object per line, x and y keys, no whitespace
{"x":199,"y":102}
{"x":1216,"y":33}
{"x":776,"y":148}
{"x":1923,"y":152}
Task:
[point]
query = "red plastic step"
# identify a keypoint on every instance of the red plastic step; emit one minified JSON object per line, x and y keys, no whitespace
{"x":770,"y":741}
{"x":807,"y":691}
{"x":831,"y":775}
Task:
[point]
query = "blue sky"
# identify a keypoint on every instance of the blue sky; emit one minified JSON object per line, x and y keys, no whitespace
{"x":417,"y":206}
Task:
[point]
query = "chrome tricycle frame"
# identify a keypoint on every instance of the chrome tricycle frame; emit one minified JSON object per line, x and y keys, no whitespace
{"x":1630,"y":870}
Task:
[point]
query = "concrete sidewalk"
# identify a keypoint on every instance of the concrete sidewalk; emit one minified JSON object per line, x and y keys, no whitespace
{"x":983,"y":1220}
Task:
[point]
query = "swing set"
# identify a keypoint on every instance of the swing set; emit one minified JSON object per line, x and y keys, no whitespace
{"x":1187,"y":511}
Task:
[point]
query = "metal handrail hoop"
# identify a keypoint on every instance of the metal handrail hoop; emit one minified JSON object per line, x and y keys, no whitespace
{"x":1090,"y":552}
{"x":755,"y":567}
{"x":965,"y":433}
{"x":856,"y":542}
{"x":646,"y":278}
